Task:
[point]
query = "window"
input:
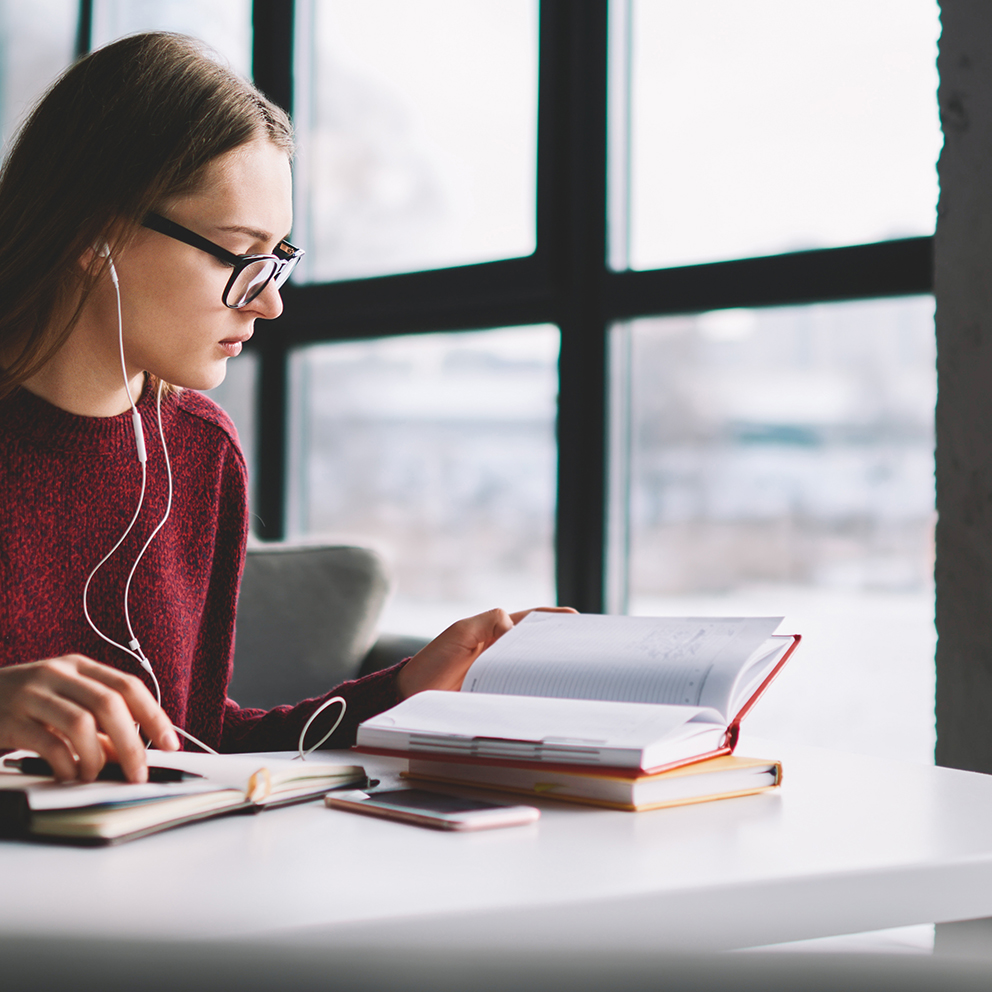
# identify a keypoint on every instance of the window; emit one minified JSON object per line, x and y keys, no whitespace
{"x":225,"y":25}
{"x":773,"y":126}
{"x":37,"y":41}
{"x":417,"y":125}
{"x":708,"y":189}
{"x":781,"y":461}
{"x":770,"y":451}
{"x":439,"y":450}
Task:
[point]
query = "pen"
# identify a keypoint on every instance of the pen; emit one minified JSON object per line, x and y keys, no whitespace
{"x":111,"y":772}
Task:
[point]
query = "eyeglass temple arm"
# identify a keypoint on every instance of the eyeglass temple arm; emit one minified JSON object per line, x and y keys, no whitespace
{"x":173,"y":230}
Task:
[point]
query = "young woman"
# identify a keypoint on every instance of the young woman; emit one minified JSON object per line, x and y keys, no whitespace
{"x":144,"y":211}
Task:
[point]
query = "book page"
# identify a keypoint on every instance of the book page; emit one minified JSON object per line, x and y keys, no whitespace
{"x":549,"y":721}
{"x":532,"y":728}
{"x":759,"y":665}
{"x":236,"y":770}
{"x":688,"y":661}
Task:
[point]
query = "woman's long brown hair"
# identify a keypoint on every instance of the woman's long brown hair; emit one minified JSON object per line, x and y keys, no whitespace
{"x":121,"y":131}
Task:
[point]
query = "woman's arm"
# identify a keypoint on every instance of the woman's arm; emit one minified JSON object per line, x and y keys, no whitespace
{"x":442,"y":664}
{"x":74,"y":712}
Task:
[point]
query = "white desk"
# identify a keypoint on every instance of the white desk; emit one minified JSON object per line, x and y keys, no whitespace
{"x":849,"y":844}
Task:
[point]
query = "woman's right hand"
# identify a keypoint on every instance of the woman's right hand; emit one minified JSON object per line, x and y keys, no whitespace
{"x":61,"y":707}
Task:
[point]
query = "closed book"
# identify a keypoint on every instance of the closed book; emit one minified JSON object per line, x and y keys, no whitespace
{"x":722,"y":777}
{"x":642,"y":693}
{"x":103,"y":812}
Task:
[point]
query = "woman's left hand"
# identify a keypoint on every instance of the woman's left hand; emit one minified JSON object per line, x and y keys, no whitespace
{"x":442,"y":664}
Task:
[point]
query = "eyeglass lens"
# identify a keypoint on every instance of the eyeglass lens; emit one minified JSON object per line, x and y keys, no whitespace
{"x":250,"y":281}
{"x":254,"y":277}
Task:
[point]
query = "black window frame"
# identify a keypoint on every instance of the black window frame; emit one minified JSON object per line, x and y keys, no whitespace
{"x":567,"y":281}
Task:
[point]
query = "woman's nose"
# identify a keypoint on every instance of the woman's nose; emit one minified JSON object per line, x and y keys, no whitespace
{"x":268,"y":303}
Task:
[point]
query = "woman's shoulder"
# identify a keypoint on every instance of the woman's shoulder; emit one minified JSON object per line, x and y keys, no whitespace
{"x":201,"y":414}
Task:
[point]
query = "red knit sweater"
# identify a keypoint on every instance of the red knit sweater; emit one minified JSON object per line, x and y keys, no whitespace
{"x":68,"y":488}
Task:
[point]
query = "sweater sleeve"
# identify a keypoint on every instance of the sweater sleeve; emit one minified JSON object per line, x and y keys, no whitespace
{"x":211,"y":716}
{"x":279,"y":729}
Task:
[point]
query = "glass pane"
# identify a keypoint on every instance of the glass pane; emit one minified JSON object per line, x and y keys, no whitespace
{"x":237,"y":395}
{"x":439,"y":450}
{"x":417,"y":134}
{"x":225,"y":25}
{"x":773,"y":126}
{"x":782,"y":463}
{"x":37,"y":41}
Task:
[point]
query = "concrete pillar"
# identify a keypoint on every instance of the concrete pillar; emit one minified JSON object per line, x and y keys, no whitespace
{"x":963,"y":287}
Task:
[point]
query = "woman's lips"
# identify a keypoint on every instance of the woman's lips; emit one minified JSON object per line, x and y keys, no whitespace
{"x":232,"y":346}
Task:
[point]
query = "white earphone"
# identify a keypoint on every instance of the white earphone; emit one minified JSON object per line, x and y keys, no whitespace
{"x":133,"y":647}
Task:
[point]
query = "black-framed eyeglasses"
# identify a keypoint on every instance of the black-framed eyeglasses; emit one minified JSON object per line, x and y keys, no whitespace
{"x":252,"y":273}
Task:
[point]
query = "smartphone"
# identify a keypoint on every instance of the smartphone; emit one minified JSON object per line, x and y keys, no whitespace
{"x":432,"y":809}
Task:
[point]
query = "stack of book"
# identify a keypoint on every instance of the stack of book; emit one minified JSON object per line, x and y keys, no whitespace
{"x":627,"y":712}
{"x":725,"y":777}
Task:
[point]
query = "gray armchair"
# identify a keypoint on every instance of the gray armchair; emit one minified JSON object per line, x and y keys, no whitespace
{"x":306,"y":621}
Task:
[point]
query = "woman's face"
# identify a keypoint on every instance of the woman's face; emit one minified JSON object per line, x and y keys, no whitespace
{"x":176,"y":325}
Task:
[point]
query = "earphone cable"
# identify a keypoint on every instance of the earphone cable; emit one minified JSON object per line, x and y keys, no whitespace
{"x":302,"y":756}
{"x":178,"y":730}
{"x":103,"y":561}
{"x":140,"y":444}
{"x":151,"y":537}
{"x":134,"y":649}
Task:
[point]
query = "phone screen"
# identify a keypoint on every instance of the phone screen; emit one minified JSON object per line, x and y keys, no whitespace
{"x":428,"y":802}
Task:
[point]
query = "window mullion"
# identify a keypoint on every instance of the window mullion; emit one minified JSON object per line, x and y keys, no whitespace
{"x":272,"y":71}
{"x":572,"y":239}
{"x":84,"y":28}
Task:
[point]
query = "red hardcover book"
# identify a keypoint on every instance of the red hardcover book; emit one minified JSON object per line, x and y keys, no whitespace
{"x":636,"y":695}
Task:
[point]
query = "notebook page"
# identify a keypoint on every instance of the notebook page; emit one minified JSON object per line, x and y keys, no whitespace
{"x":761,"y":664}
{"x":630,"y":659}
{"x":236,"y":770}
{"x":529,"y":728}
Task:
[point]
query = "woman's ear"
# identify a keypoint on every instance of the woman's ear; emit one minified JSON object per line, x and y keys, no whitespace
{"x":90,"y":256}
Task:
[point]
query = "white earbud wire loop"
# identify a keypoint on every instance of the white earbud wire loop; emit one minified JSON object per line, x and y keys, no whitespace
{"x":302,"y":756}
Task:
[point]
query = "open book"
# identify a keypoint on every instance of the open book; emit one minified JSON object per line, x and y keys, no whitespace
{"x":637,"y":693}
{"x":109,"y":812}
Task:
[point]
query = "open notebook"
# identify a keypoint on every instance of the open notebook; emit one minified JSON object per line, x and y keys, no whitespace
{"x":637,"y":693}
{"x":108,"y":812}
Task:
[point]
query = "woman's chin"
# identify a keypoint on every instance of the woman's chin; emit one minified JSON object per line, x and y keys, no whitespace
{"x":200,"y":379}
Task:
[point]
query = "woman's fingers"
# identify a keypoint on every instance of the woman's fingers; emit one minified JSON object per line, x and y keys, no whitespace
{"x":442,"y":664}
{"x":64,"y":704}
{"x":32,"y":736}
{"x":517,"y":617}
{"x":61,"y":715}
{"x":140,"y":703}
{"x":107,"y":711}
{"x":117,"y":701}
{"x":109,"y":751}
{"x":485,"y":628}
